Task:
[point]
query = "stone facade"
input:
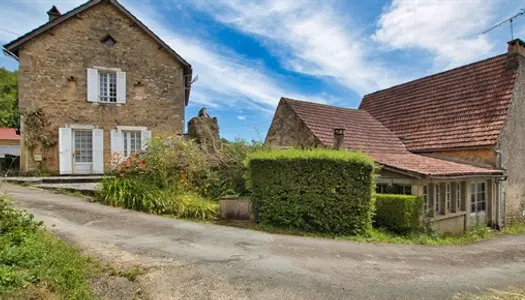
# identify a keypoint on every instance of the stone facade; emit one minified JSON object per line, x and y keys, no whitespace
{"x":288,"y":130}
{"x":483,"y":157}
{"x":53,"y":76}
{"x":511,"y":144}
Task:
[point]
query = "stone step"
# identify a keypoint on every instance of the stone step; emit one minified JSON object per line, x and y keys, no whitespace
{"x":54,"y":179}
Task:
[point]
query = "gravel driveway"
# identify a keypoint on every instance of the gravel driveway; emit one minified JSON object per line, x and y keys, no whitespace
{"x":189,"y":260}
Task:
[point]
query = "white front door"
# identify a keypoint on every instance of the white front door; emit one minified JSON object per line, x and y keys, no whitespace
{"x":82,"y":151}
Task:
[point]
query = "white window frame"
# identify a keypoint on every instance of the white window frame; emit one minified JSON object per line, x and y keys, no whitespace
{"x":126,"y":142}
{"x":425,"y":199}
{"x":437,"y":204}
{"x":108,"y":98}
{"x":448,"y":196}
{"x":476,"y":192}
{"x":458,"y":196}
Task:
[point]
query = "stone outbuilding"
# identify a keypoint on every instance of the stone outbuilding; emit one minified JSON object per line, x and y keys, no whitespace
{"x":106,"y":83}
{"x":446,"y":186}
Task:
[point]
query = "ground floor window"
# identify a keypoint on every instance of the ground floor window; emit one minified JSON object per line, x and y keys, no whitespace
{"x":425,"y":199}
{"x":83,"y":146}
{"x":478,"y":197}
{"x":132,"y":142}
{"x":399,"y":189}
{"x":437,"y":201}
{"x":448,"y":196}
{"x":458,"y":196}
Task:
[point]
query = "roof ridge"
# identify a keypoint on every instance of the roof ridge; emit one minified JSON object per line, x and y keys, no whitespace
{"x":434,"y":75}
{"x":321,"y":104}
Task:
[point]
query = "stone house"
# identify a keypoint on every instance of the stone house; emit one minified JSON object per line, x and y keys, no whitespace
{"x":445,"y":186}
{"x":106,"y":83}
{"x":453,"y":138}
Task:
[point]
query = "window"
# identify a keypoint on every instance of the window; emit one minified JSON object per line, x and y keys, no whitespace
{"x":458,"y":196}
{"x":448,"y":196}
{"x":108,"y":40}
{"x":436,"y":199}
{"x":132,"y":142}
{"x":399,"y":189}
{"x":83,"y":147}
{"x":425,"y":199}
{"x":478,"y":197}
{"x":107,"y":86}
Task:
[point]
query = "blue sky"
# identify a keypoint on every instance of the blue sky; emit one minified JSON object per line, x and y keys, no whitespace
{"x":249,"y":53}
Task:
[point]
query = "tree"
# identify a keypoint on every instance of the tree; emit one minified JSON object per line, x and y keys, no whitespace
{"x":9,"y":116}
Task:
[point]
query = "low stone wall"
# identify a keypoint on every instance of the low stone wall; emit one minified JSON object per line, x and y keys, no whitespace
{"x":453,"y":223}
{"x":236,"y":208}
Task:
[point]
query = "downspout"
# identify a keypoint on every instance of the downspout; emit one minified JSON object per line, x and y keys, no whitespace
{"x":499,"y":163}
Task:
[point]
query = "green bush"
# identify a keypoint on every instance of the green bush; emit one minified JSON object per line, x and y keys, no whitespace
{"x":398,"y":213}
{"x":36,"y":265}
{"x":136,"y":194}
{"x":317,"y":190}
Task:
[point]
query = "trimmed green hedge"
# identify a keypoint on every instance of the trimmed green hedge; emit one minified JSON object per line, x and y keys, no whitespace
{"x":398,"y":213}
{"x":318,"y":190}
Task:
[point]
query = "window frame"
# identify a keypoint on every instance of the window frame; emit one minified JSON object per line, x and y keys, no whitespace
{"x":458,"y":196}
{"x":126,"y":142}
{"x":425,"y":199}
{"x":437,"y":200}
{"x":111,"y":75}
{"x":478,"y":190}
{"x":448,"y":196}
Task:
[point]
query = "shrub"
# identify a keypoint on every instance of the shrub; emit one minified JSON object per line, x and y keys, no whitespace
{"x":317,"y":190}
{"x":133,"y":193}
{"x":398,"y":213}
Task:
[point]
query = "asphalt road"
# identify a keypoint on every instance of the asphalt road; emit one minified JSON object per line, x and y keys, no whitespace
{"x":204,"y":261}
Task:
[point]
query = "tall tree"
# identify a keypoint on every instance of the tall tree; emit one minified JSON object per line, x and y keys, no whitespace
{"x":9,"y":116}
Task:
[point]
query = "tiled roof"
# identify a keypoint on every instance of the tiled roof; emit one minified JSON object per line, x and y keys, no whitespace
{"x":364,"y":133}
{"x":8,"y":134}
{"x":463,"y":107}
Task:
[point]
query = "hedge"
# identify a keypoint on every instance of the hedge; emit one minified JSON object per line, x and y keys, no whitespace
{"x":398,"y":213}
{"x":318,"y":190}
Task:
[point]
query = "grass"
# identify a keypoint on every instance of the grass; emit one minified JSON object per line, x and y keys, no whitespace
{"x":509,"y":293}
{"x":476,"y":234}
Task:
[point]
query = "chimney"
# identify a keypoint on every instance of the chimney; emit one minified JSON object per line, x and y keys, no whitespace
{"x":516,"y":48}
{"x":53,"y":13}
{"x":339,"y":137}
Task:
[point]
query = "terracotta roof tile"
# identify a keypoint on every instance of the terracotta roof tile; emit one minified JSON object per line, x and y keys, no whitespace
{"x":463,"y":107}
{"x":364,"y":133}
{"x":8,"y":134}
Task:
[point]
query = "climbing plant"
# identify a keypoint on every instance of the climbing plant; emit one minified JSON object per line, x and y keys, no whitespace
{"x":38,"y":135}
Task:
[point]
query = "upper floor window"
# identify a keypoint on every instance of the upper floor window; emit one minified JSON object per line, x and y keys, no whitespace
{"x":106,"y":85}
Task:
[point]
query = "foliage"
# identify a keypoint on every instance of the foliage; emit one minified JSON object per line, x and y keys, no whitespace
{"x":33,"y":262}
{"x":136,"y":194}
{"x":9,"y":116}
{"x":38,"y":134}
{"x":316,"y":190}
{"x":398,"y":213}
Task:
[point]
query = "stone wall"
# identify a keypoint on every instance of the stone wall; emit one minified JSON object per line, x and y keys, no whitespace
{"x":288,"y":130}
{"x":512,"y":146}
{"x":53,"y":76}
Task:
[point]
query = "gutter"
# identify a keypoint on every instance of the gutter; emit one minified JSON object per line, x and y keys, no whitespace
{"x":9,"y":54}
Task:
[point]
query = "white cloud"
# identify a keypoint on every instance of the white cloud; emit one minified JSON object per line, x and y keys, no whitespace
{"x":309,"y":38}
{"x":241,"y":117}
{"x":450,"y":30}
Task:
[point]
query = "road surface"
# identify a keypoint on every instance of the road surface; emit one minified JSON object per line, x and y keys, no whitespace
{"x":203,"y":261}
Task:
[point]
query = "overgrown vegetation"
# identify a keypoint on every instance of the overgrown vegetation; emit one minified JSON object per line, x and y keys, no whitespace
{"x":38,"y":137}
{"x":316,"y":190}
{"x":9,"y":116}
{"x":398,"y":213}
{"x":36,"y":265}
{"x":175,"y":177}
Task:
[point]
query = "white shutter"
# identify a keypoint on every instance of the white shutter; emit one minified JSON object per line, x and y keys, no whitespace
{"x":146,"y":138}
{"x":98,"y":151}
{"x":65,"y":154}
{"x":121,"y":87}
{"x":92,"y":85}
{"x":117,"y":146}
